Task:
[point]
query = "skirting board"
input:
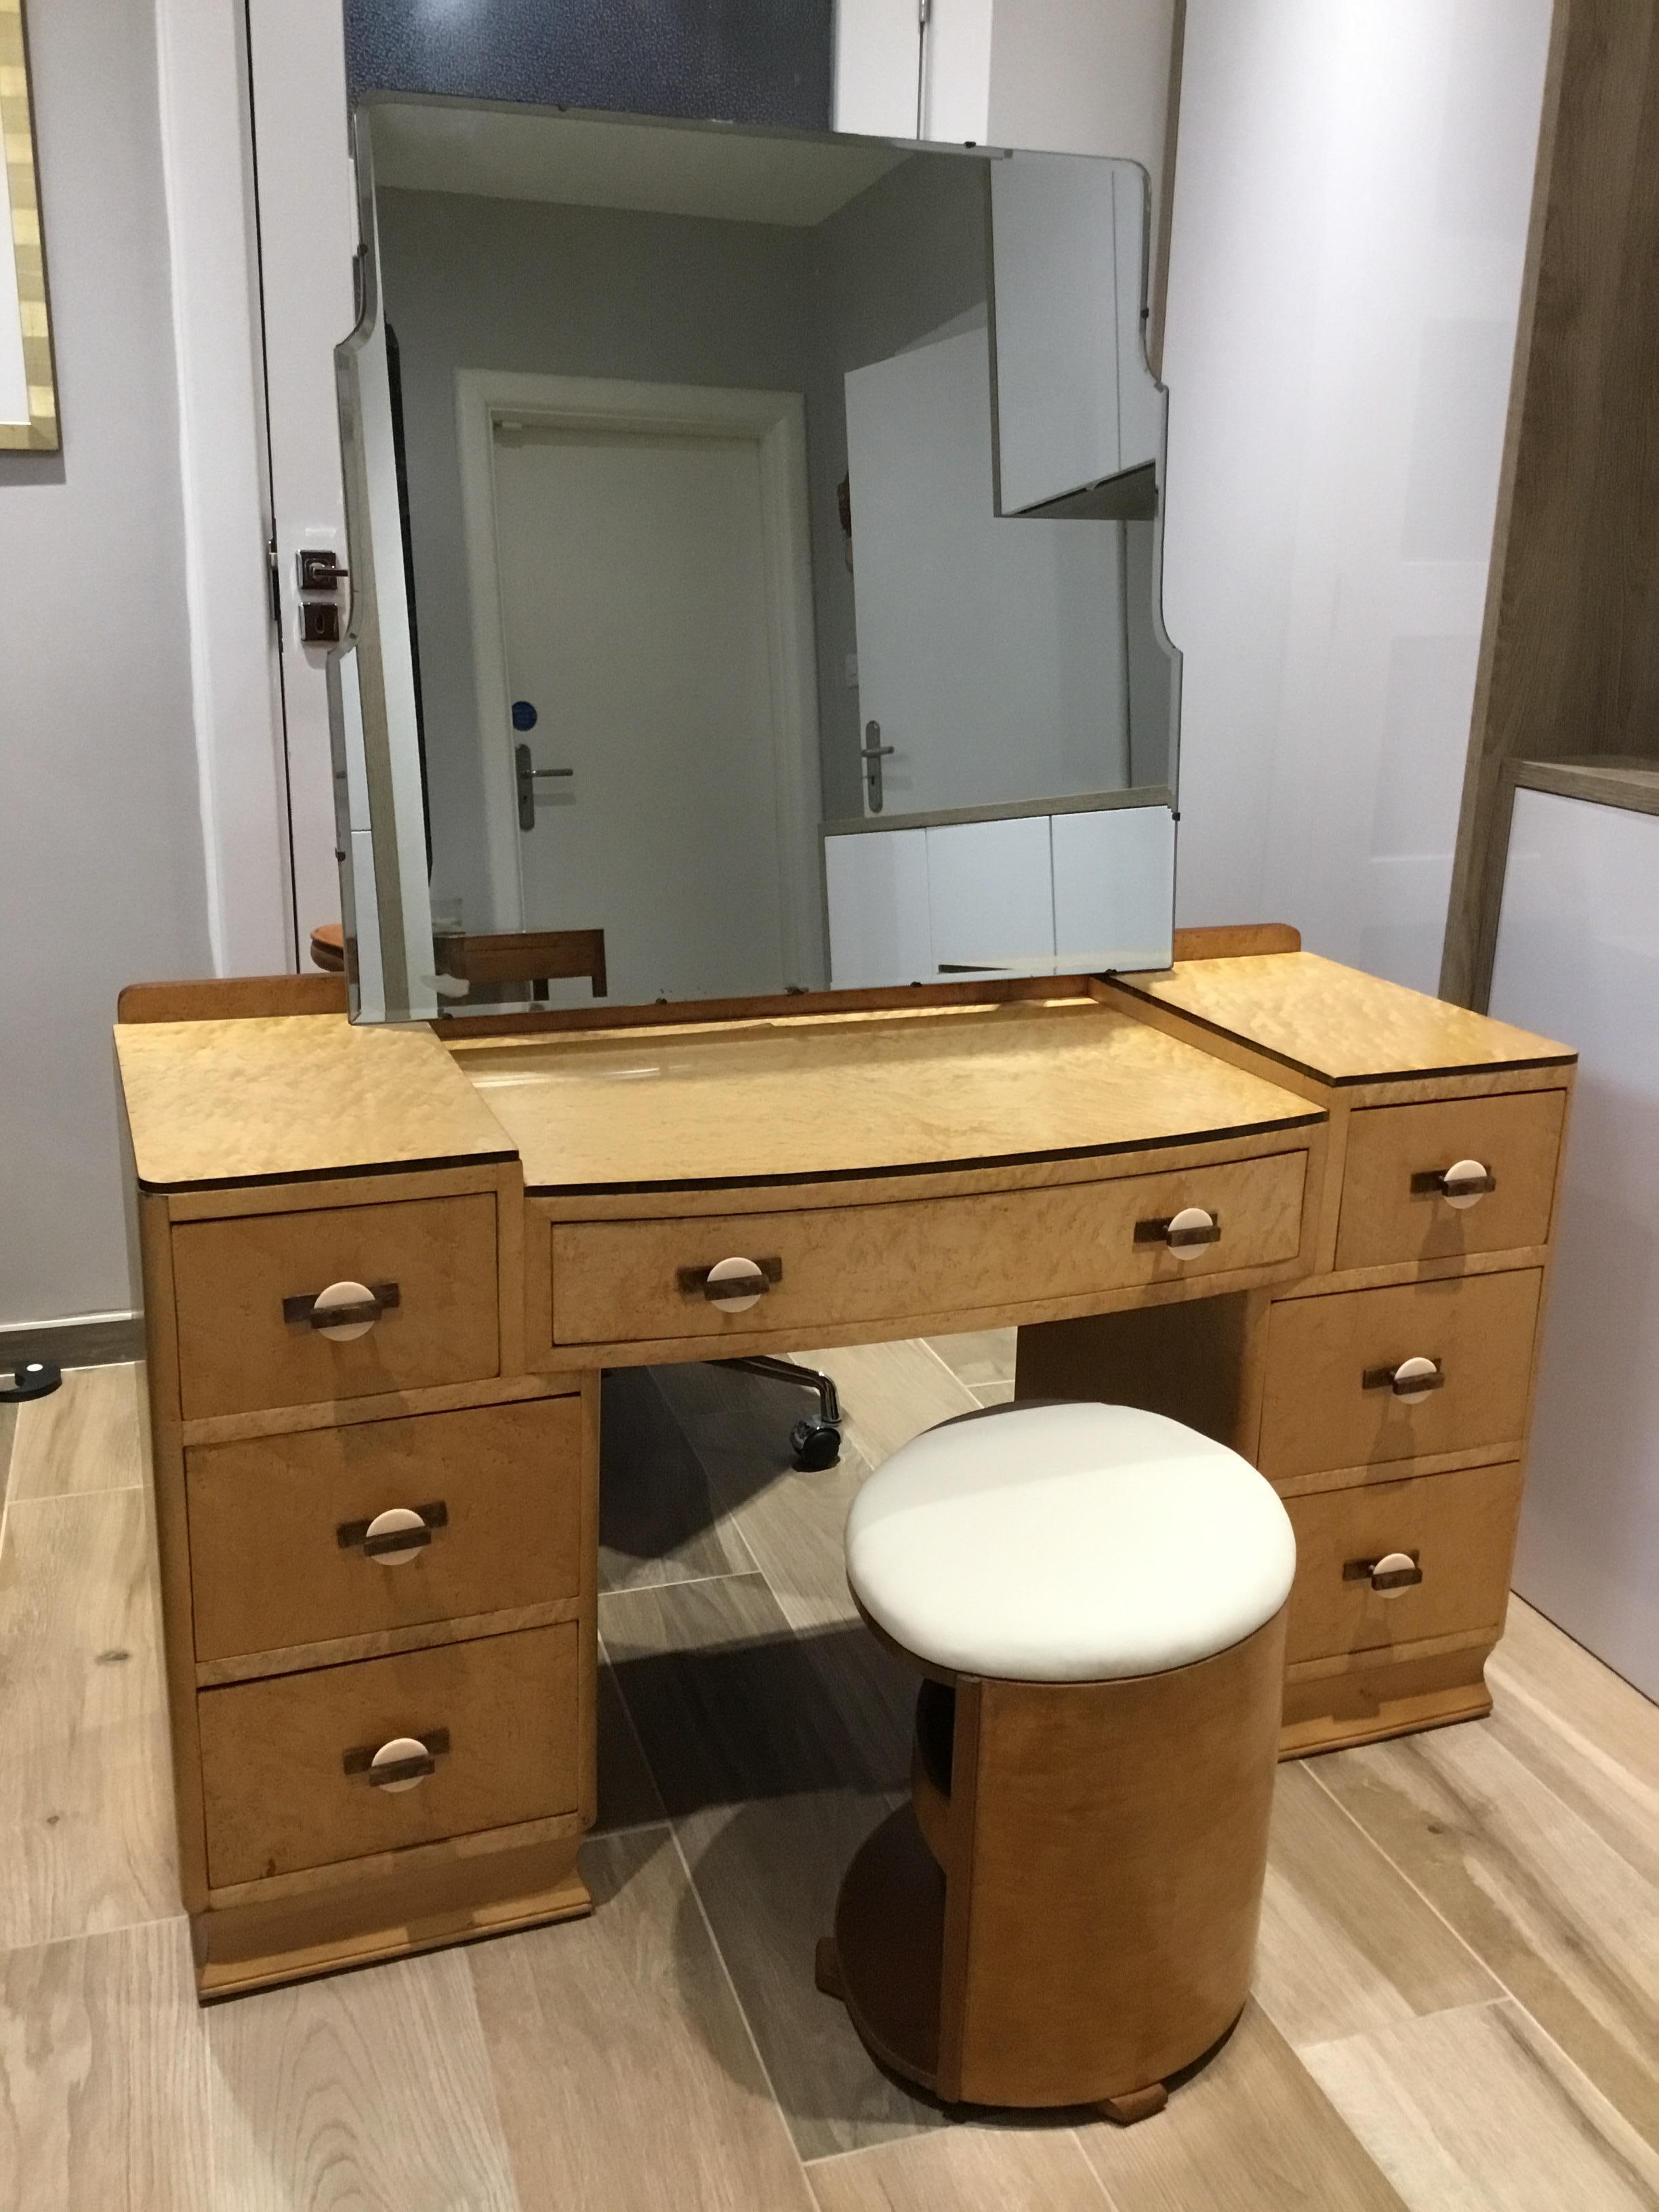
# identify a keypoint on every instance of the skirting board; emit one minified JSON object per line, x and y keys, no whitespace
{"x":94,"y":1341}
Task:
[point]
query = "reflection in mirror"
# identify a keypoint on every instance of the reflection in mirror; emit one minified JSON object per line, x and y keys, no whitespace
{"x":760,"y":568}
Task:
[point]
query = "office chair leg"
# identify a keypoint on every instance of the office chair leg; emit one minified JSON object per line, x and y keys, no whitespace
{"x":813,"y":1445}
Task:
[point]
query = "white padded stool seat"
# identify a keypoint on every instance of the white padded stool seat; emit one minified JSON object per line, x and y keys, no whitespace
{"x":1068,"y":1543}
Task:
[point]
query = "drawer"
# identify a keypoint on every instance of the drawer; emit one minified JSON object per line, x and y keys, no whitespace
{"x":285,"y":1776}
{"x":277,"y":1525}
{"x":238,"y":1351}
{"x":1328,"y":1405}
{"x":641,"y":1281}
{"x":1456,"y":1531}
{"x":1393,"y":1207}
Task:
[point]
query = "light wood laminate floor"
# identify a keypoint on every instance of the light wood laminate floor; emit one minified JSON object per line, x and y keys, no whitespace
{"x":1456,"y":2004}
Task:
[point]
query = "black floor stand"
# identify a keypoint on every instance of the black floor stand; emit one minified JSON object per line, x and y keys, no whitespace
{"x":813,"y":1445}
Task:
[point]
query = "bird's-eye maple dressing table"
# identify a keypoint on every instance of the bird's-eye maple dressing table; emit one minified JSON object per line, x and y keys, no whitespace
{"x":384,"y":1268}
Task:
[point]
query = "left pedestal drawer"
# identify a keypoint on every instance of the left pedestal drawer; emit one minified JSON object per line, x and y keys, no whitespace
{"x":339,"y":1532}
{"x":414,"y":1283}
{"x":308,"y":1770}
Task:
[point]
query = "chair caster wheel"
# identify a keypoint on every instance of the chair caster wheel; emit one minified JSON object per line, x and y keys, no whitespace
{"x":814,"y":1445}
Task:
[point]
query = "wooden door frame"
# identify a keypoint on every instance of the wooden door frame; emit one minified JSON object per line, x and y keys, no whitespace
{"x":1572,"y":599}
{"x":776,"y":421}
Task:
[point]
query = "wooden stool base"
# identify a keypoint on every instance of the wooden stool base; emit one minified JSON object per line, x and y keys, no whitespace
{"x":1066,"y":1914}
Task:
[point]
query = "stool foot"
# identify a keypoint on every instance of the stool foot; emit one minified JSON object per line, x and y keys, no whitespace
{"x":1135,"y":2105}
{"x":826,"y":1969}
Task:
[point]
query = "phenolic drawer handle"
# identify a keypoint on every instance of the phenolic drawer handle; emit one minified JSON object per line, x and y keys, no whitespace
{"x":400,"y":1764}
{"x":1411,"y":1382}
{"x":732,"y":1284}
{"x":344,"y":1311}
{"x":1387,"y":1576}
{"x":1463,"y":1184}
{"x":1183,"y":1233}
{"x":395,"y":1536}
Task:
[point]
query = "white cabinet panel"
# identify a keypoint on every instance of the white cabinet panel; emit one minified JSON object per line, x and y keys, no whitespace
{"x":1114,"y":887}
{"x":990,"y":894}
{"x":879,"y":925}
{"x":1054,"y":245}
{"x":877,"y":58}
{"x":1579,"y":959}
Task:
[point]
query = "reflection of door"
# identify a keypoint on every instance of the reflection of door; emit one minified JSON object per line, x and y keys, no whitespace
{"x":634,"y":599}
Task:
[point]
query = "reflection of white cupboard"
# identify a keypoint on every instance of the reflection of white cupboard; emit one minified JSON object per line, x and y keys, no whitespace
{"x":1578,"y":958}
{"x":1016,"y":893}
{"x":1075,"y":403}
{"x":991,"y":652}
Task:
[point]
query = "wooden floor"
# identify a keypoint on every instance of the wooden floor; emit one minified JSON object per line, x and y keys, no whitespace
{"x":1457,"y":2003}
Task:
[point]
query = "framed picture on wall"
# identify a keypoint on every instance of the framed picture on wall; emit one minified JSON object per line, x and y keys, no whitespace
{"x":28,"y":387}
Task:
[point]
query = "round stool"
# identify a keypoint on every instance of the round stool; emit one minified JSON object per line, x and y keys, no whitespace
{"x":1065,"y":1912}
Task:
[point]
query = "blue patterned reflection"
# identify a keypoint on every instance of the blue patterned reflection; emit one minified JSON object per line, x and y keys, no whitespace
{"x":744,"y":61}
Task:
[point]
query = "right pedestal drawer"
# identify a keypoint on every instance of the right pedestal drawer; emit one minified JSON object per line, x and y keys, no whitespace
{"x":1455,"y":1175}
{"x":1390,"y":1563}
{"x":1335,"y":1395}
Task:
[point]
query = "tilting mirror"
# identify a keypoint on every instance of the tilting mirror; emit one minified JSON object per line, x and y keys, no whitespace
{"x":756,"y":555}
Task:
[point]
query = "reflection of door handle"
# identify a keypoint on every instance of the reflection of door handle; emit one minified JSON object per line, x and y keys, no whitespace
{"x":525,"y":776}
{"x":872,"y":752}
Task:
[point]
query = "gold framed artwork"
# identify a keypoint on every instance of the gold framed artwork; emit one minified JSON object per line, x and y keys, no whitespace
{"x":28,"y":386}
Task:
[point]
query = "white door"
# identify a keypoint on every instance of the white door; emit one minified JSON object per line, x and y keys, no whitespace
{"x":634,"y":607}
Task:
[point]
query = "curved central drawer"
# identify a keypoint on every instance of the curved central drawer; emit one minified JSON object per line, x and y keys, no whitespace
{"x":616,"y":1282}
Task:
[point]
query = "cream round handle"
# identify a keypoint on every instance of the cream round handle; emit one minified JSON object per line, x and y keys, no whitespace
{"x":393,"y":1521}
{"x":1190,"y":1231}
{"x":344,"y":1294}
{"x":1416,"y":1370}
{"x":1393,"y":1572}
{"x":746,"y":1271}
{"x":1468,"y":1172}
{"x":400,"y":1748}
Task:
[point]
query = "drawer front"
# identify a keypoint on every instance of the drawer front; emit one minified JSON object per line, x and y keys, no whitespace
{"x":1357,"y":1549}
{"x":239,"y":1353}
{"x":1326,"y":1406}
{"x":275,"y":1754}
{"x":279,"y":1543}
{"x":1393,"y":1207}
{"x":638,"y":1281}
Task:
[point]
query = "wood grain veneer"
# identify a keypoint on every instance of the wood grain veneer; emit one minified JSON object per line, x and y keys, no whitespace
{"x":617,"y":1280}
{"x":1518,"y":1139}
{"x":1318,"y":1414}
{"x":285,"y":1096}
{"x":268,"y":1569}
{"x":277,"y":1800}
{"x":1460,"y":1527}
{"x":1337,"y":1025}
{"x":826,"y":1097}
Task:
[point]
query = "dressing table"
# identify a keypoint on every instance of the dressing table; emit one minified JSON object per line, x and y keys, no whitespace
{"x":1303,"y":1210}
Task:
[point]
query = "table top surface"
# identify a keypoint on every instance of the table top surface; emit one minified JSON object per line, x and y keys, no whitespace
{"x":1338,"y":1024}
{"x":841,"y":1096}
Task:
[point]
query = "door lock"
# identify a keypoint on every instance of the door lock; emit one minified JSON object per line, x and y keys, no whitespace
{"x":526,"y":777}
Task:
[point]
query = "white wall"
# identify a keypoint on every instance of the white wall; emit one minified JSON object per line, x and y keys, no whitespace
{"x":101,"y":874}
{"x":1353,"y":181}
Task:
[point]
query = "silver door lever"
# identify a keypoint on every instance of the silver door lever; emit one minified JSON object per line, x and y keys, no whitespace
{"x":872,"y":752}
{"x":527,"y":777}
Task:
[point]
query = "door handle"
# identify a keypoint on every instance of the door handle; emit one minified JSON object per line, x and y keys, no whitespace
{"x":526,"y":777}
{"x":872,"y":752}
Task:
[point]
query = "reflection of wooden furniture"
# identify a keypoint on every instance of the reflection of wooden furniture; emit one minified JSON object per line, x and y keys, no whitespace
{"x":550,"y":1203}
{"x":1065,"y":1912}
{"x":328,"y":948}
{"x":536,"y":957}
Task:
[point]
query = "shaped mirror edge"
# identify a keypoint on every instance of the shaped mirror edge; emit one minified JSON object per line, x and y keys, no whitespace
{"x":379,"y":784}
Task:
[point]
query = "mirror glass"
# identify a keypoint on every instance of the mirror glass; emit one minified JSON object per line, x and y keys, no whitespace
{"x":755,"y":548}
